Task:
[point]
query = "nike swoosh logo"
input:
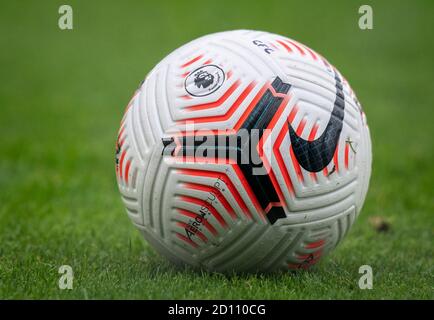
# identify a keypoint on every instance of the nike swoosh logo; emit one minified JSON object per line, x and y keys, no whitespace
{"x":315,"y":155}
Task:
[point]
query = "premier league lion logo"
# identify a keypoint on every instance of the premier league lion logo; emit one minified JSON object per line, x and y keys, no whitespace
{"x":203,"y":79}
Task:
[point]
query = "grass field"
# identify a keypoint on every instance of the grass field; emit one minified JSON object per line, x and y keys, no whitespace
{"x":62,"y":95}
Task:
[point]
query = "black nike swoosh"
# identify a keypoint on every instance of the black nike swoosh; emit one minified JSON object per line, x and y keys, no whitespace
{"x":316,"y":155}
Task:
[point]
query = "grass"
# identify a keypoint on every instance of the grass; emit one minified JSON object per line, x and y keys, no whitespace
{"x":62,"y":96}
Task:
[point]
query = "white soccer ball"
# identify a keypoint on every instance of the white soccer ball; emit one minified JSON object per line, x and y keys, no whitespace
{"x":244,"y":150}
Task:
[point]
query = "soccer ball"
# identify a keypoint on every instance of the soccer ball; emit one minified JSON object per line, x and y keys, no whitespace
{"x":244,"y":151}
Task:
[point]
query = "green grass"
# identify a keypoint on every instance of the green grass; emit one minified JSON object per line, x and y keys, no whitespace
{"x":62,"y":95}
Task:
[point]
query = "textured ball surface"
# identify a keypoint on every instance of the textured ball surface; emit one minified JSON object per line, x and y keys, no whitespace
{"x":244,"y":150}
